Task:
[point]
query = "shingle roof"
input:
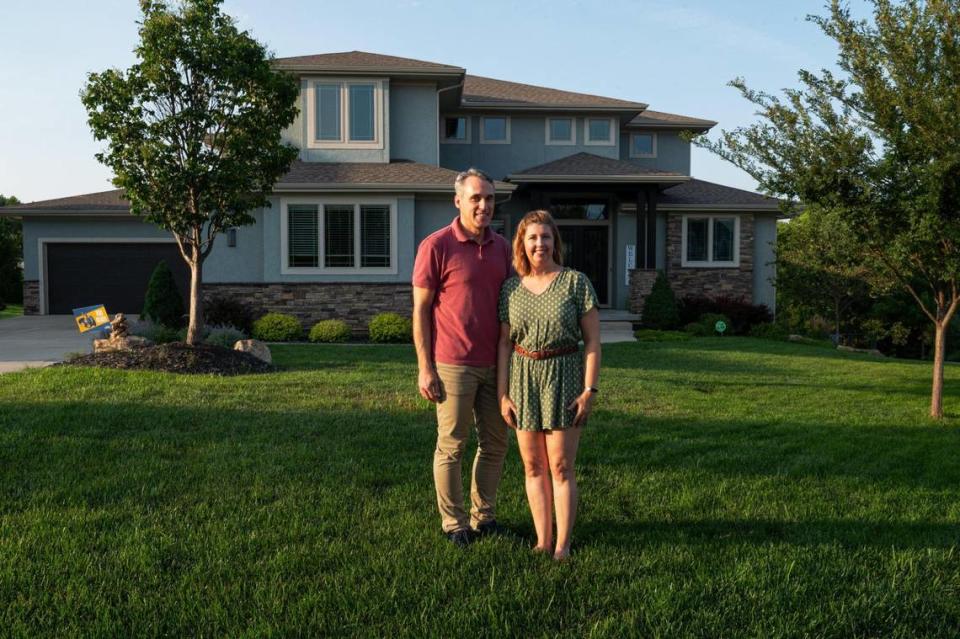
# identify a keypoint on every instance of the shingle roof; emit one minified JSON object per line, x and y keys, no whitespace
{"x":587,"y":167}
{"x":362,"y":61}
{"x":488,"y":92}
{"x":701,"y":193}
{"x":368,"y":175}
{"x":105,"y":201}
{"x":659,"y":119}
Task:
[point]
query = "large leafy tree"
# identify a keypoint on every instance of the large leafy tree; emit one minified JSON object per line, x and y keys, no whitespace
{"x":11,"y":255}
{"x":193,"y":128}
{"x":877,"y":142}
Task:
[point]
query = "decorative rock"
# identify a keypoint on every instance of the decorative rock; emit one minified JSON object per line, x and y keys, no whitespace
{"x":256,"y":348}
{"x":868,"y":351}
{"x":113,"y":343}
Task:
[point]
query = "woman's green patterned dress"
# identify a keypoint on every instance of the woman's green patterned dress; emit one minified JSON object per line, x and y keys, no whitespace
{"x":542,"y":389}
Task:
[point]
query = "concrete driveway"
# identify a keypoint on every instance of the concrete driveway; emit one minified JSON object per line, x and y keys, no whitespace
{"x":39,"y":340}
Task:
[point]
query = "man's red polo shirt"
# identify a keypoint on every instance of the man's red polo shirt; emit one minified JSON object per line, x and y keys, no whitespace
{"x":466,"y":278}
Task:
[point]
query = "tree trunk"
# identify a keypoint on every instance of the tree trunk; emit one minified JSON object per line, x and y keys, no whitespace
{"x":195,"y":329}
{"x":939,"y":348}
{"x":836,"y":323}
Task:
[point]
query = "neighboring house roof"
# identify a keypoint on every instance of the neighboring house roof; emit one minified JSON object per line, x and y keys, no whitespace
{"x":488,"y":93}
{"x":660,"y":120}
{"x":363,"y":62}
{"x":698,"y":194}
{"x":587,"y":167}
{"x":103,"y":202}
{"x":398,"y":175}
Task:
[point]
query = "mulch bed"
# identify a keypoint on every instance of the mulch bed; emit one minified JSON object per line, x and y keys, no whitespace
{"x":177,"y":357}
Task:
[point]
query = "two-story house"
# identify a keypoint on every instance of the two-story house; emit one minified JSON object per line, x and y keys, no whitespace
{"x":381,"y":139}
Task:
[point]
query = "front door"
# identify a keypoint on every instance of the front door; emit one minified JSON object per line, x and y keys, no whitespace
{"x":586,"y":248}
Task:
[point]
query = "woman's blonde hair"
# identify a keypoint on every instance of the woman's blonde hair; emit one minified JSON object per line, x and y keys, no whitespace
{"x":520,"y":262}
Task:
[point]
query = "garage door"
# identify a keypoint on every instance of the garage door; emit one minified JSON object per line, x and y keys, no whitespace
{"x":115,"y":275}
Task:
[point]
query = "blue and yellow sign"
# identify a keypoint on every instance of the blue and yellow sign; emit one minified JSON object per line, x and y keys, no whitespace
{"x":91,"y":318}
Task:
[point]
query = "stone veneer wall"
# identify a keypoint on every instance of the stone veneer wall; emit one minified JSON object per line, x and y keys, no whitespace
{"x":355,"y":304}
{"x":712,"y":282}
{"x":31,"y":297}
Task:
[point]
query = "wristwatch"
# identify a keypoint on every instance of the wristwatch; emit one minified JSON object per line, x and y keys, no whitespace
{"x":591,"y":389}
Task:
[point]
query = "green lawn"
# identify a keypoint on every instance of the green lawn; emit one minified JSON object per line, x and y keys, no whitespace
{"x":730,"y":487}
{"x":12,"y":310}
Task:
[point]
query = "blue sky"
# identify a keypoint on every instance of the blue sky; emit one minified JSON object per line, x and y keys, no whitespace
{"x":677,"y":56}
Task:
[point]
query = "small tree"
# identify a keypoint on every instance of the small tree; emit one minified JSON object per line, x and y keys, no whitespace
{"x":193,"y":128}
{"x":878,"y":145}
{"x":660,"y":307}
{"x":162,"y":303}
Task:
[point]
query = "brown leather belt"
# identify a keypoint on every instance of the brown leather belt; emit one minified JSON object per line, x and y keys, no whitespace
{"x":545,"y":354}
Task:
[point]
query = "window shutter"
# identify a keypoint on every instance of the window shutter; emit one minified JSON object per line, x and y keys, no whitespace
{"x":338,"y":236}
{"x":302,"y":235}
{"x":375,"y":236}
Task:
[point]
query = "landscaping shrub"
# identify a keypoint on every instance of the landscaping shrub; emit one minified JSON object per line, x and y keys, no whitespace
{"x":277,"y":327}
{"x":156,"y":333}
{"x":768,"y":330}
{"x":742,"y":315}
{"x":225,"y":336}
{"x":163,"y":304}
{"x":182,"y":333}
{"x":698,"y":330}
{"x":649,"y":335}
{"x":390,"y":327}
{"x":660,"y":307}
{"x":331,"y":330}
{"x":225,"y":311}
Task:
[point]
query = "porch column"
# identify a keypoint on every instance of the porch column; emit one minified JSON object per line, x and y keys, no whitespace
{"x":641,"y":243}
{"x":651,"y":234}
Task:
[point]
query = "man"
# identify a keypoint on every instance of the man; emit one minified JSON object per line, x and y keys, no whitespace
{"x":456,"y":287}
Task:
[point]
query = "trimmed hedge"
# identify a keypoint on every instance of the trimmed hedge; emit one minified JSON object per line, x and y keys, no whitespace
{"x":390,"y":327}
{"x":741,"y":315}
{"x":277,"y":327}
{"x":331,"y":331}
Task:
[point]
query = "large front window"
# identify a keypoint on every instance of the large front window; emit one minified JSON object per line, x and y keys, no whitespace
{"x":340,"y":236}
{"x":710,"y":240}
{"x":345,"y":113}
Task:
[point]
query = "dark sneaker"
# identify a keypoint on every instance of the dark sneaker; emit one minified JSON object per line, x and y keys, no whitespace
{"x":491,"y":528}
{"x":460,"y":538}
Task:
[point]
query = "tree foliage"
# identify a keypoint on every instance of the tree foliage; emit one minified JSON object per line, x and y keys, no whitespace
{"x":878,"y":144}
{"x":193,"y":128}
{"x":11,"y":255}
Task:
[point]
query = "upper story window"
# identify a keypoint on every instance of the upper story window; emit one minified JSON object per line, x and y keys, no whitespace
{"x":643,"y":145}
{"x":339,"y":235}
{"x":495,"y":130}
{"x":345,"y":114}
{"x":455,"y":129}
{"x":561,"y":131}
{"x":710,"y":240}
{"x":600,"y":132}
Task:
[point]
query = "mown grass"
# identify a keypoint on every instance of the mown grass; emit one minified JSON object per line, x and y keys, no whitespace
{"x":730,"y":487}
{"x":11,"y":310}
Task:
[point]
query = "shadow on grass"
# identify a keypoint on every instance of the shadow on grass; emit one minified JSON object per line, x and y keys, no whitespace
{"x":849,"y":534}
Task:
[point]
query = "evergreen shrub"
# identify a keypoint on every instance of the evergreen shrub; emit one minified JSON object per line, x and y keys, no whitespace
{"x":390,"y":327}
{"x":331,"y":330}
{"x":277,"y":327}
{"x":162,"y":303}
{"x":742,"y":315}
{"x":660,"y":308}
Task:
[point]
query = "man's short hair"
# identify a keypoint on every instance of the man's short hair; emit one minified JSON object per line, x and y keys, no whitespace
{"x":469,"y":173}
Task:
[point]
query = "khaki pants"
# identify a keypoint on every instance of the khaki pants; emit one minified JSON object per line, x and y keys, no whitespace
{"x":471,"y":400}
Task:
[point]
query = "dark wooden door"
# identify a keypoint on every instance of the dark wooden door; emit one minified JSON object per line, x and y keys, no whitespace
{"x":115,"y":275}
{"x":586,"y":248}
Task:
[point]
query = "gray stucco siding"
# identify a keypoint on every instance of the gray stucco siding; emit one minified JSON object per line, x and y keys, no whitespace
{"x":225,"y":264}
{"x":296,"y":134}
{"x":673,"y":154}
{"x":414,"y":131}
{"x":527,"y":148}
{"x":764,"y":260}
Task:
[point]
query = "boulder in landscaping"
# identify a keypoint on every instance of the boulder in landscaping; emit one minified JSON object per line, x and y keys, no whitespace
{"x":254,"y":347}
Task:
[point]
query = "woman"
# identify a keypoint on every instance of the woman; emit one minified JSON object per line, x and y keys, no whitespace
{"x":546,"y":387}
